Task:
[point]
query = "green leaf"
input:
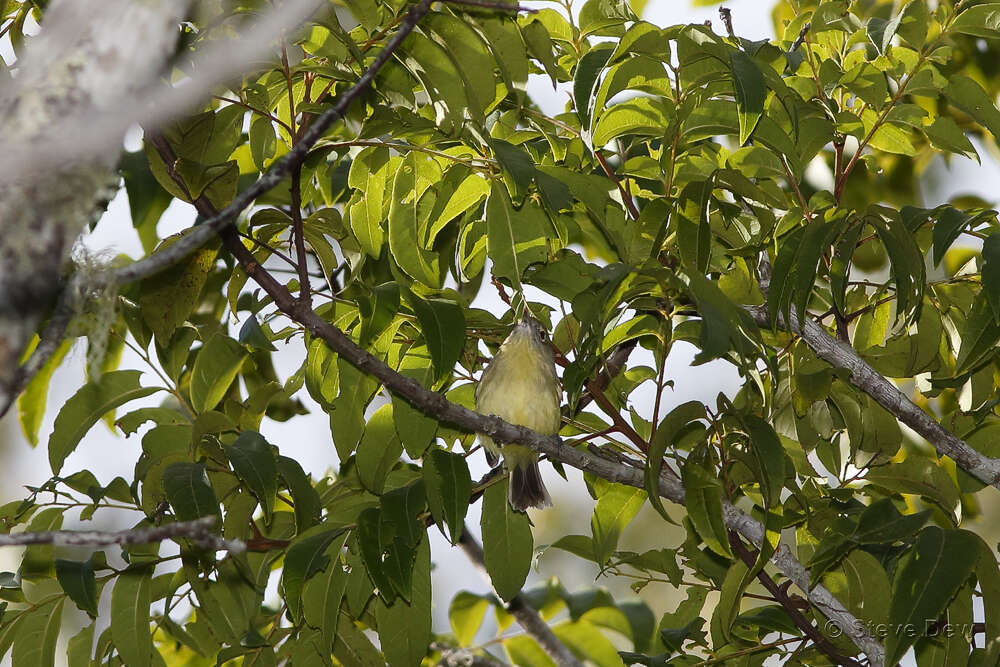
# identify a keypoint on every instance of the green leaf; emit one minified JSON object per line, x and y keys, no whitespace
{"x":414,"y":428}
{"x":470,"y":55}
{"x":769,"y":457}
{"x":465,"y":614}
{"x":703,"y":495}
{"x":881,"y":523}
{"x":323,"y":592}
{"x":970,"y":97}
{"x":728,"y":607}
{"x":36,"y":635}
{"x":979,"y":336}
{"x":253,"y":461}
{"x":979,"y":21}
{"x":371,"y":173}
{"x":507,"y":541}
{"x":919,"y":476}
{"x":347,"y":422}
{"x":308,"y":505}
{"x":751,"y":90}
{"x":694,"y":235}
{"x":79,"y":647}
{"x":925,"y":581}
{"x":516,"y":238}
{"x":168,"y":298}
{"x":353,"y":648}
{"x":443,"y":325}
{"x":262,"y":141}
{"x":83,"y":410}
{"x":946,"y":135}
{"x":321,"y":375}
{"x":217,"y":365}
{"x":404,"y":627}
{"x":189,"y":491}
{"x":615,"y":509}
{"x":991,"y":273}
{"x":307,"y":556}
{"x":146,"y":199}
{"x":379,"y":450}
{"x":666,"y":433}
{"x":77,"y":579}
{"x":413,"y":201}
{"x":449,"y":487}
{"x":130,"y":616}
{"x":518,"y":167}
{"x":31,"y":403}
{"x":640,"y":117}
{"x":585,"y":80}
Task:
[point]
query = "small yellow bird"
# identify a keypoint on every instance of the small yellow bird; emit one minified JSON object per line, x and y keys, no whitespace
{"x":520,"y":386}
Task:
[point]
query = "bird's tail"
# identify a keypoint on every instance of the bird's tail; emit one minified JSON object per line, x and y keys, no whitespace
{"x":526,"y":487}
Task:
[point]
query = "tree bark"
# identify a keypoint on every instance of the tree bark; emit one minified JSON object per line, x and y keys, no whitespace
{"x":87,"y":53}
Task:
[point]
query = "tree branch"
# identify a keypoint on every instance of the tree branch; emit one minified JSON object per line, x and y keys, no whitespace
{"x":436,"y":405}
{"x":526,"y":616}
{"x":885,"y":393}
{"x":216,"y":220}
{"x":298,"y":231}
{"x":199,"y":531}
{"x":811,"y":631}
{"x":281,"y":167}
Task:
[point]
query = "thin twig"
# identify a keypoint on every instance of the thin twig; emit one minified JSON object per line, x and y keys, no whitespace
{"x":727,"y":20}
{"x":298,"y":231}
{"x":526,"y":616}
{"x":200,"y":531}
{"x":790,"y":606}
{"x":800,"y":39}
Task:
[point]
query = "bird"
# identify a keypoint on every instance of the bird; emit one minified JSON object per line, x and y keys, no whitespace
{"x":520,"y":386}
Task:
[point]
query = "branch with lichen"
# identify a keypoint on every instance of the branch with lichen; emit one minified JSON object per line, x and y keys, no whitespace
{"x":199,"y":531}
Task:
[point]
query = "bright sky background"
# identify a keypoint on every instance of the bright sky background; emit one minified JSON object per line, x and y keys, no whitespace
{"x":307,"y":438}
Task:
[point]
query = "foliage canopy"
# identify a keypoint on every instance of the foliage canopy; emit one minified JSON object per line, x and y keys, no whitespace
{"x":758,"y":200}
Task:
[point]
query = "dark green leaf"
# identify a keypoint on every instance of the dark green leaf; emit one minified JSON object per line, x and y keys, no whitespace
{"x":405,"y":626}
{"x":703,"y":495}
{"x":666,"y":432}
{"x":253,"y":461}
{"x":585,"y":80}
{"x":979,"y":336}
{"x":925,"y":581}
{"x":130,"y":616}
{"x":189,"y":491}
{"x":77,"y":579}
{"x":751,"y":90}
{"x":307,"y":556}
{"x":449,"y":487}
{"x":307,"y":502}
{"x":443,"y":325}
{"x":769,"y":457}
{"x":507,"y":541}
{"x":694,"y":235}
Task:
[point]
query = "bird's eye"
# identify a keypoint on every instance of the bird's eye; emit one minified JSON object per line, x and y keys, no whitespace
{"x":543,"y":335}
